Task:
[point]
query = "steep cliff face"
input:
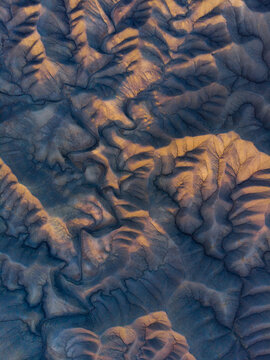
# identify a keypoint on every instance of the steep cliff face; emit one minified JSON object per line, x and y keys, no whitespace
{"x":134,"y":179}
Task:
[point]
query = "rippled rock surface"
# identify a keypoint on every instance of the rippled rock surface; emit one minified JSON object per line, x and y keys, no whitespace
{"x":135,"y":179}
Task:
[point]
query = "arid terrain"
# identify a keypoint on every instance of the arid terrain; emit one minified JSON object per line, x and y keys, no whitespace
{"x":135,"y":179}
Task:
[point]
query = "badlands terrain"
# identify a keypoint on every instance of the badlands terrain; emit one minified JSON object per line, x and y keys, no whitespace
{"x":135,"y":179}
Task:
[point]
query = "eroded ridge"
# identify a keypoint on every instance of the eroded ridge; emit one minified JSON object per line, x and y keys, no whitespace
{"x":134,"y":179}
{"x":149,"y":337}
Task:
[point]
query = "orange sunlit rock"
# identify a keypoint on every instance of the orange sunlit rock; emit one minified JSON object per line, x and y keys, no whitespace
{"x":134,"y":179}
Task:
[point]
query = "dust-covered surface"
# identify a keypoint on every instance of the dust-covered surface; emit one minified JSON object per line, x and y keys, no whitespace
{"x":134,"y":179}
